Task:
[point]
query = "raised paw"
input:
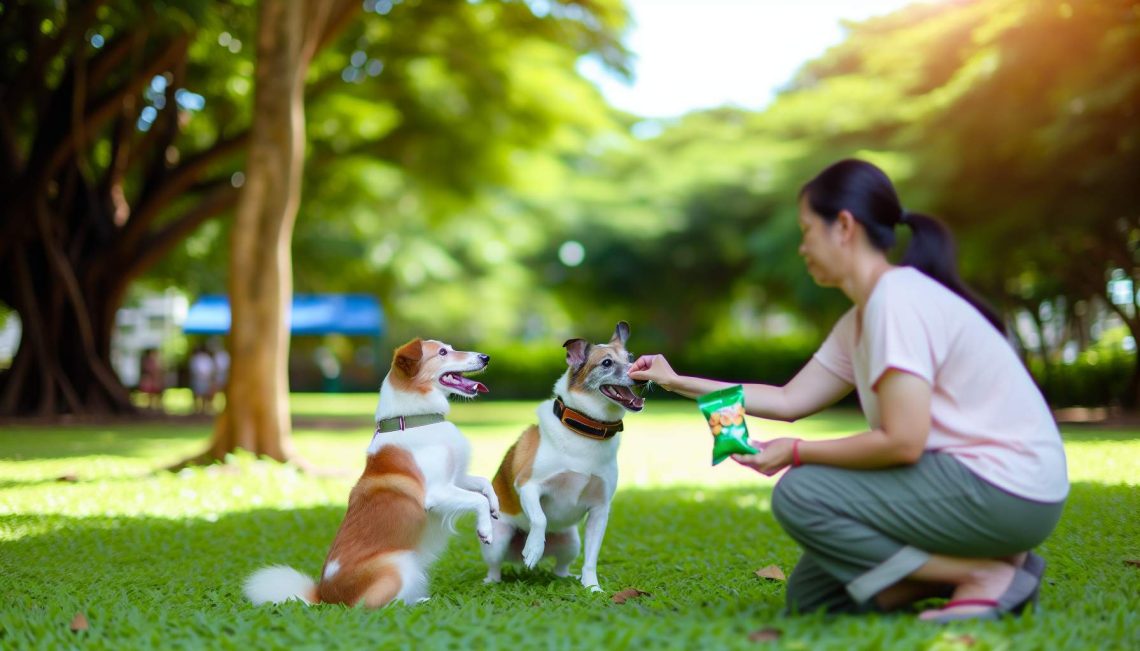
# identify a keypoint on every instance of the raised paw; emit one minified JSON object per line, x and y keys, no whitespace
{"x":485,"y":535}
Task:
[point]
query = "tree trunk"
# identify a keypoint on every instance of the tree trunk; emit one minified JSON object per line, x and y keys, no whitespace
{"x":72,"y":237}
{"x":63,"y":364}
{"x":256,"y":415}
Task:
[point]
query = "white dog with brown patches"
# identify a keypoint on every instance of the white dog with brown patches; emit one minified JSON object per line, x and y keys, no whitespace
{"x":415,"y":483}
{"x":565,"y":468}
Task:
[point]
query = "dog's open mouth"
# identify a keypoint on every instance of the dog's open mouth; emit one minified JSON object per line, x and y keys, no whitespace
{"x":623,"y":396}
{"x":461,"y":384}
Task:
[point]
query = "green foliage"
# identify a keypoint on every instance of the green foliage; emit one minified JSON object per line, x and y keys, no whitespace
{"x":157,"y":560}
{"x":1103,"y":370}
{"x":448,"y":182}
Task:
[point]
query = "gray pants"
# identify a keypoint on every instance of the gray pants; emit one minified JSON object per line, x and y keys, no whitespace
{"x":865,"y":530}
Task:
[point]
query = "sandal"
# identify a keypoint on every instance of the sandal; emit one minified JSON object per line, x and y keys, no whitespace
{"x":1021,"y":592}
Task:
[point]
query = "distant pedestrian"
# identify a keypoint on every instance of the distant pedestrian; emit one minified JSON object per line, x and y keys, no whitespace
{"x":202,"y":369}
{"x":151,"y":381}
{"x":221,"y":369}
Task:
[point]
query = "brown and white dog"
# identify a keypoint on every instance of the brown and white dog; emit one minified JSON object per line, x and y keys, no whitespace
{"x":415,"y":483}
{"x":565,"y":467}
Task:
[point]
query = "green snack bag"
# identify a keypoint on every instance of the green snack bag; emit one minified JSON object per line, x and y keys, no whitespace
{"x":724,"y":411}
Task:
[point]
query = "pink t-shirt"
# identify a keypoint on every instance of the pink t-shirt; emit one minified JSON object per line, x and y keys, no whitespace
{"x":985,"y":409}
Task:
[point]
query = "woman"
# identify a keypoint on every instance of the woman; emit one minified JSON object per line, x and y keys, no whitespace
{"x":962,"y":472}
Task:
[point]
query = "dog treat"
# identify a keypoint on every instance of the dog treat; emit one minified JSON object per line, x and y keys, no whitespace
{"x":724,"y":411}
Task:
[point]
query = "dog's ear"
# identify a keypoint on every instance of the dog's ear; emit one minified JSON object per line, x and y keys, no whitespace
{"x":576,"y":350}
{"x":621,"y":333}
{"x":408,"y":356}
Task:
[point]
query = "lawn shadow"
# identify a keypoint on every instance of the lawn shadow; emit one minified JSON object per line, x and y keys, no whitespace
{"x":659,"y":540}
{"x":693,"y":549}
{"x":30,"y":444}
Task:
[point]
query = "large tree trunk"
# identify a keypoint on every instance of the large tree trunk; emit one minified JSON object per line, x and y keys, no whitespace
{"x":63,"y":364}
{"x":73,"y":235}
{"x":256,"y":415}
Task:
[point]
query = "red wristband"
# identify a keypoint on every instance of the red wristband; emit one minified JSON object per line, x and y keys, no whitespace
{"x":796,"y":463}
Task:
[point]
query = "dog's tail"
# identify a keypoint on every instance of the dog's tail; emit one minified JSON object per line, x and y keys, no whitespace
{"x":279,"y":583}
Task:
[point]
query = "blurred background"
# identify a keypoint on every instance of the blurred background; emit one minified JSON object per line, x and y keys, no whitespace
{"x":507,"y":174}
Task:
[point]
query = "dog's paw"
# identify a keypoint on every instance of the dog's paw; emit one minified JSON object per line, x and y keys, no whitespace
{"x":485,"y":536}
{"x":562,"y":572}
{"x":492,"y":579}
{"x":532,"y":551}
{"x":590,"y":581}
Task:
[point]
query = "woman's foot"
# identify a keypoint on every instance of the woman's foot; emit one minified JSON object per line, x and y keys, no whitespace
{"x":980,"y":590}
{"x":906,"y":592}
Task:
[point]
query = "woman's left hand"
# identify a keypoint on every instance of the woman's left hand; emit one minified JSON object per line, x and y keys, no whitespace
{"x":775,"y":455}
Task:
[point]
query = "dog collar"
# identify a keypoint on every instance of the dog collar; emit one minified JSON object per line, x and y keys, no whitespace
{"x":407,"y":422}
{"x":583,"y":424}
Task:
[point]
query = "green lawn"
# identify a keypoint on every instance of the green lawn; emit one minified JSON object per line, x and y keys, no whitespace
{"x":157,"y":560}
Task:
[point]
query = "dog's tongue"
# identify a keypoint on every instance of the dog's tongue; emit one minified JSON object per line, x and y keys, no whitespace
{"x":625,"y":396}
{"x":465,"y":384}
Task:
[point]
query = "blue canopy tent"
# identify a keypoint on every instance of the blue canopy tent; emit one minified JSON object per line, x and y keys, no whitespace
{"x":312,"y":314}
{"x":357,"y":315}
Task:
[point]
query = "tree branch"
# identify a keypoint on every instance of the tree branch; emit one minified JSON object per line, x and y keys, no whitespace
{"x":33,"y":81}
{"x":331,"y":16}
{"x":104,"y":108}
{"x":10,"y":158}
{"x":156,"y":245}
{"x":114,"y":53}
{"x":149,"y":206}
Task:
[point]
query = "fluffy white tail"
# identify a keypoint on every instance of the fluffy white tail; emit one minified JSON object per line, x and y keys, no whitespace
{"x":279,"y":583}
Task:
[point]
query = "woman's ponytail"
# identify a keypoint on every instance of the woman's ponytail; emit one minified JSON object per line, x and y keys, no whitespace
{"x":932,"y":251}
{"x":865,"y":191}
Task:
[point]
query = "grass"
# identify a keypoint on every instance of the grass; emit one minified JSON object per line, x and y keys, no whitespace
{"x":157,"y":560}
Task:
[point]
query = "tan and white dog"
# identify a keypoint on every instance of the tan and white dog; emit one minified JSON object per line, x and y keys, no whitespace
{"x":565,"y":467}
{"x":415,"y":483}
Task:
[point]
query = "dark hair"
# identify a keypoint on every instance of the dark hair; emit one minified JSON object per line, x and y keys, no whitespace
{"x":865,"y":191}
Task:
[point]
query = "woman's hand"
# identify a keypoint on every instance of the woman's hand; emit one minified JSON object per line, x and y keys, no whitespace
{"x":654,"y":368}
{"x":775,"y":455}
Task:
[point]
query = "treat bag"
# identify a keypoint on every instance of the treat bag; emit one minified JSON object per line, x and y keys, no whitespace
{"x":724,"y":411}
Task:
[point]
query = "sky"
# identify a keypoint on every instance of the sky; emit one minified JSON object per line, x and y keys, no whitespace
{"x":695,"y":54}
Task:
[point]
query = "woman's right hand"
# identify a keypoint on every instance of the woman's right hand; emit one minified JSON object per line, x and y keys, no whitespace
{"x":654,"y":368}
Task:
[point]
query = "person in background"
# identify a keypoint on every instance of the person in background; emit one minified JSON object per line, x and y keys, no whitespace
{"x":221,"y":368}
{"x":202,"y":374}
{"x":151,"y":380}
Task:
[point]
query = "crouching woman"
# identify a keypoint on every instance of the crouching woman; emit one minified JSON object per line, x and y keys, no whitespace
{"x":962,"y":472}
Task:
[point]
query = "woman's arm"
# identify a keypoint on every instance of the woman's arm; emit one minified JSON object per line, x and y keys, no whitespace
{"x":812,"y":389}
{"x":904,"y":405}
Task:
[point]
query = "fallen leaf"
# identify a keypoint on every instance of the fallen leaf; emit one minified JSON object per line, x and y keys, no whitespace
{"x":765,"y":635}
{"x":627,"y":594}
{"x":963,"y":640}
{"x":771,"y":572}
{"x":79,"y":622}
{"x":68,"y":478}
{"x":1133,"y":562}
